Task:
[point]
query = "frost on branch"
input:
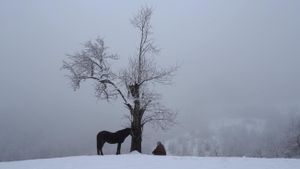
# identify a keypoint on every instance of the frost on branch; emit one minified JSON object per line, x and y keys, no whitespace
{"x":92,"y":63}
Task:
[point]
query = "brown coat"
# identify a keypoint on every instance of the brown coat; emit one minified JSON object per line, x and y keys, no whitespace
{"x":159,"y":150}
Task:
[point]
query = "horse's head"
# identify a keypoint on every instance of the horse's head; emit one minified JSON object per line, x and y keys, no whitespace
{"x":129,"y":131}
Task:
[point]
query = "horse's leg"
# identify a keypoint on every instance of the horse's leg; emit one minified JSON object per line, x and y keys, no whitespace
{"x":100,"y":146}
{"x":119,"y":148}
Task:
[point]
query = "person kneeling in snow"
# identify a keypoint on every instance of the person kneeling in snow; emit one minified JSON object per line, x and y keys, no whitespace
{"x":159,"y":150}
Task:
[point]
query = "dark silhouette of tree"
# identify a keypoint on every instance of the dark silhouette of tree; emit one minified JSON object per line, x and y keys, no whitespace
{"x":134,"y":85}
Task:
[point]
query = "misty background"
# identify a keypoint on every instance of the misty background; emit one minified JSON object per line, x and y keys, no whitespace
{"x":239,"y":73}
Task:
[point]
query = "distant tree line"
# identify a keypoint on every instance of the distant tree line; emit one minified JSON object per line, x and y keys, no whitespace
{"x":274,"y":138}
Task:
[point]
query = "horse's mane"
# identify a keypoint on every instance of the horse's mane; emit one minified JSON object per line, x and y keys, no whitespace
{"x":124,"y":130}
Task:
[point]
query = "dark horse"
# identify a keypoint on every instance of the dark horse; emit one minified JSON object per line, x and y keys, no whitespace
{"x":112,"y":138}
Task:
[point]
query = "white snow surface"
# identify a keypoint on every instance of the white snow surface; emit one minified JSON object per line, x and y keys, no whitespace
{"x":141,"y":161}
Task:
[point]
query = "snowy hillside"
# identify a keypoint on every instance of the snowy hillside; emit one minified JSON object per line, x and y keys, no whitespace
{"x":138,"y":161}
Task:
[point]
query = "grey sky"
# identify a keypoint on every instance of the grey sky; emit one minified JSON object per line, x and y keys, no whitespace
{"x":238,"y":59}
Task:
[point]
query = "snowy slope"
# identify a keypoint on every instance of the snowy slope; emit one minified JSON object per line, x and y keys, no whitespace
{"x":138,"y":161}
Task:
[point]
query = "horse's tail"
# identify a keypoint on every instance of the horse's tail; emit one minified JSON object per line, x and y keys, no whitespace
{"x":98,"y":151}
{"x":98,"y":147}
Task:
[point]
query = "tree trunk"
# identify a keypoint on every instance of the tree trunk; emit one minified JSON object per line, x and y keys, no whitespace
{"x":136,"y":127}
{"x":136,"y":139}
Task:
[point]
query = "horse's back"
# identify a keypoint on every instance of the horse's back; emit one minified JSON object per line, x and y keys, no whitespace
{"x":102,"y":134}
{"x":107,"y":137}
{"x":112,"y":138}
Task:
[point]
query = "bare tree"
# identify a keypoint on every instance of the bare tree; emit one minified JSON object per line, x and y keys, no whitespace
{"x":134,"y":85}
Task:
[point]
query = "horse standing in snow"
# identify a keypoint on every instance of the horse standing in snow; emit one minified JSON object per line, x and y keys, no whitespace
{"x":112,"y":138}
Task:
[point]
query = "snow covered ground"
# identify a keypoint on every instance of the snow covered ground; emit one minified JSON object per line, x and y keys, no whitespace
{"x":139,"y":161}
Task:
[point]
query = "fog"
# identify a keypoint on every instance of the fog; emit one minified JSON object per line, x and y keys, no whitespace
{"x":239,"y":61}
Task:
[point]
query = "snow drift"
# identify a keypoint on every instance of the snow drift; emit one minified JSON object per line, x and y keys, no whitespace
{"x":141,"y":161}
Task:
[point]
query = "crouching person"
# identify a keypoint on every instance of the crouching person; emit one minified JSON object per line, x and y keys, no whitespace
{"x":159,"y":150}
